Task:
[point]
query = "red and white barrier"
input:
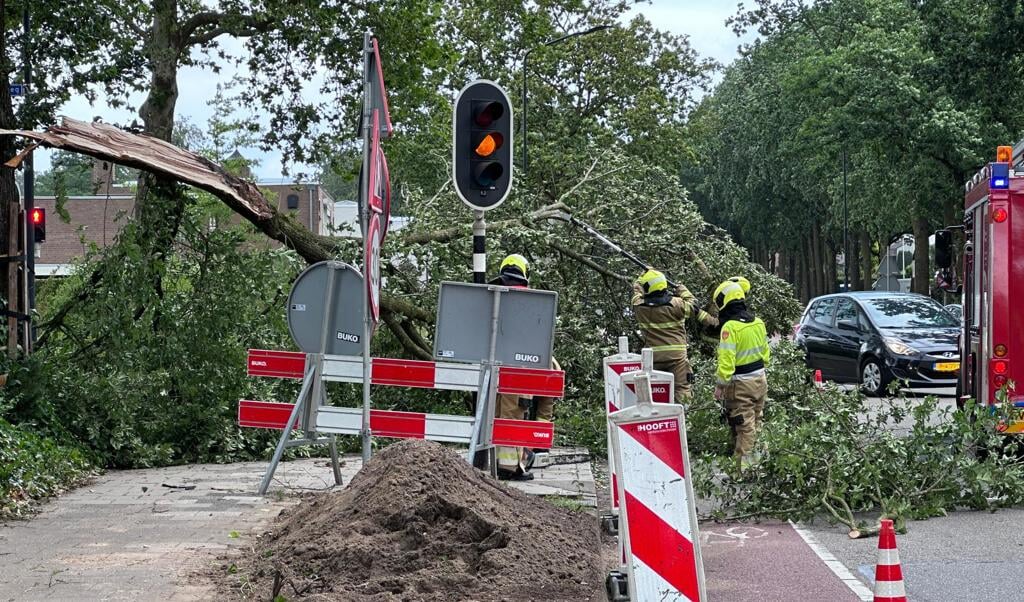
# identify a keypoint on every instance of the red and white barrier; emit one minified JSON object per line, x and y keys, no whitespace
{"x":534,"y":434}
{"x":619,"y":376}
{"x":888,"y":572}
{"x":657,"y":517}
{"x":450,"y":376}
{"x":404,"y":373}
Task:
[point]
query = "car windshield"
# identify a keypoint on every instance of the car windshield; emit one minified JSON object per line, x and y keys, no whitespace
{"x":909,"y":312}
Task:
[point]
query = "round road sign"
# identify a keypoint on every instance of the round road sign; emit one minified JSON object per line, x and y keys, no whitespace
{"x":371,"y":265}
{"x":335,"y":324}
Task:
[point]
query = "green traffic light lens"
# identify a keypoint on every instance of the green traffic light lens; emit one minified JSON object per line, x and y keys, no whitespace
{"x":487,"y":174}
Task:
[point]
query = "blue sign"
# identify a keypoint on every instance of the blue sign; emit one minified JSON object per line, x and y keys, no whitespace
{"x":18,"y":89}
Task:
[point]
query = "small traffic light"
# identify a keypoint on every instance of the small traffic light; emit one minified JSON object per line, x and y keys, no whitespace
{"x":482,"y":145}
{"x":37,"y":219}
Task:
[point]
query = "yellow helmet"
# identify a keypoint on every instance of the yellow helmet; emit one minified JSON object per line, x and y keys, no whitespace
{"x":516,"y":267}
{"x":652,"y":281}
{"x":727,"y":292}
{"x":743,"y":282}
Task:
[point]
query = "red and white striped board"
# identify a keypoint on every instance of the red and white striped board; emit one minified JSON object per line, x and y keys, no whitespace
{"x":264,"y":414}
{"x":449,"y":376}
{"x":399,"y":425}
{"x":657,"y":517}
{"x":614,"y":367}
{"x":276,"y":364}
{"x":662,"y":391}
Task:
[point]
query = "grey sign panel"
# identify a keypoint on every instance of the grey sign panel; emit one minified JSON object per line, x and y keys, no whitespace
{"x":526,"y":325}
{"x":309,"y":317}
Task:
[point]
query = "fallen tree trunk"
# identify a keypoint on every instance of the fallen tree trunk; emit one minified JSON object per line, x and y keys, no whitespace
{"x":109,"y":143}
{"x":140,"y":151}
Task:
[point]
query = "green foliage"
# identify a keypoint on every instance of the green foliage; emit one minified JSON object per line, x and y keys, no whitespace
{"x":33,"y":467}
{"x":835,"y":453}
{"x":147,"y":378}
{"x":904,"y":89}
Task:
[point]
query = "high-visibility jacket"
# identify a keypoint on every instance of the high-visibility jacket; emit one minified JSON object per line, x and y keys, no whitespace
{"x":664,"y":324}
{"x":742,"y":350}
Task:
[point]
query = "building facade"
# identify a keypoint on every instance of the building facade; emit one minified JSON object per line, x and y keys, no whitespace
{"x":96,"y":220}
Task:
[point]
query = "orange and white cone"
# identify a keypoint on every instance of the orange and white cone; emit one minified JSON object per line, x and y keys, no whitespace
{"x":817,"y":380}
{"x":888,"y":573}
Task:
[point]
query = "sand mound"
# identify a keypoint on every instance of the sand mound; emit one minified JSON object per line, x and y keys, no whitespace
{"x":419,"y":523}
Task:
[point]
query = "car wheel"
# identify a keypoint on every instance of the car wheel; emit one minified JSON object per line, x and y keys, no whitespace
{"x":874,"y":378}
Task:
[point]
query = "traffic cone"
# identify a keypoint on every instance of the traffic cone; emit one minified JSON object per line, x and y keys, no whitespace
{"x":818,"y":382}
{"x":888,"y":573}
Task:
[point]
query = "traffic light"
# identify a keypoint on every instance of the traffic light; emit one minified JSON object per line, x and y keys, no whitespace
{"x":482,"y":145}
{"x":37,"y":219}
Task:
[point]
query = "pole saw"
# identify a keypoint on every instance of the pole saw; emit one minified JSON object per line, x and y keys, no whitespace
{"x":609,"y":243}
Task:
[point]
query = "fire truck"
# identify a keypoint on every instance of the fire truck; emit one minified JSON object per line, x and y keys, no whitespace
{"x":992,"y":340}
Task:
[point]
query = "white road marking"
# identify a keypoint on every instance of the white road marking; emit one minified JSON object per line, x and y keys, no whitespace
{"x":834,"y":565}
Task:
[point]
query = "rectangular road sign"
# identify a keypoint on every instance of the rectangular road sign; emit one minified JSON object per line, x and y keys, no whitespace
{"x":526,"y":325}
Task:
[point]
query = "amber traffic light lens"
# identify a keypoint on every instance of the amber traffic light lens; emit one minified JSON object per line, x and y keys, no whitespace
{"x":488,"y":113}
{"x":488,"y":144}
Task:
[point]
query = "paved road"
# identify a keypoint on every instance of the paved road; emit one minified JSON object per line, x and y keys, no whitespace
{"x":967,"y":556}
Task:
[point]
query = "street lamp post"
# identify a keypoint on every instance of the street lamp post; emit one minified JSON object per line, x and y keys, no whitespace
{"x":846,"y":229}
{"x":526,"y":56}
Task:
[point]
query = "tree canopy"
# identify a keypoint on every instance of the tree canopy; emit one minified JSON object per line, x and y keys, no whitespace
{"x":903,"y":90}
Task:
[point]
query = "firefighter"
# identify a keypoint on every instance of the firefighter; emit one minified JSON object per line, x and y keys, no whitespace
{"x":662,"y":317}
{"x":742,"y":357}
{"x":514,"y":462}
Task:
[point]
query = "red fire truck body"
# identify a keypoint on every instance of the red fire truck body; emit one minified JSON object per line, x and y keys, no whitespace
{"x":992,"y":342}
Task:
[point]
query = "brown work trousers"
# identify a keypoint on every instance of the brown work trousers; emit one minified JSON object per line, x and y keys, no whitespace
{"x":744,"y":401}
{"x":680,"y":369}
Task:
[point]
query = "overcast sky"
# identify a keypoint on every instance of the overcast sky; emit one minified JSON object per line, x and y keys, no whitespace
{"x":702,"y":20}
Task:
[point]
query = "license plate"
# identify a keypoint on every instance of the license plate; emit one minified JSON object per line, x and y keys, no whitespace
{"x":947,"y":366}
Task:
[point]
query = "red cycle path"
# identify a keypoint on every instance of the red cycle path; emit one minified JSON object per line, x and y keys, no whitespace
{"x":766,"y":562}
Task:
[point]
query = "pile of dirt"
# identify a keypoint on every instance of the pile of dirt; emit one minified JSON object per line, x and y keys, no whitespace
{"x":419,"y":523}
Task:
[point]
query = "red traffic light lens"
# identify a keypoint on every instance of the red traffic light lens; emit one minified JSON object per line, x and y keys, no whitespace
{"x":999,"y":215}
{"x":487,"y":113}
{"x":38,"y":216}
{"x":488,"y":144}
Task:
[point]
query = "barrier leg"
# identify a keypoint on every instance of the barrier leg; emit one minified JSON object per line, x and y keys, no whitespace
{"x":481,"y":408}
{"x":334,"y":461}
{"x":287,"y":434}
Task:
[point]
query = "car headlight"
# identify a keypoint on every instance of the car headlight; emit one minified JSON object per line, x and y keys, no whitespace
{"x":898,"y":347}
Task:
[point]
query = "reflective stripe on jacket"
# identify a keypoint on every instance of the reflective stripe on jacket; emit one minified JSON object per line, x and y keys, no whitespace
{"x":742,"y":350}
{"x":664,"y":326}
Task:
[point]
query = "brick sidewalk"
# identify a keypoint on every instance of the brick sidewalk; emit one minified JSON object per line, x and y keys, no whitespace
{"x":141,"y":534}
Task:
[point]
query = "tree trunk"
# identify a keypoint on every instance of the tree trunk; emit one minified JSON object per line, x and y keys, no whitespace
{"x":158,"y":214}
{"x":853,"y":264}
{"x":831,"y":276}
{"x":804,"y":271}
{"x":922,"y":267}
{"x":867,"y":265}
{"x":9,"y":199}
{"x":817,"y":282}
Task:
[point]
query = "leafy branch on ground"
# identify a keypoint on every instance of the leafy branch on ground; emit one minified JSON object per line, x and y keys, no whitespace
{"x":837,"y":454}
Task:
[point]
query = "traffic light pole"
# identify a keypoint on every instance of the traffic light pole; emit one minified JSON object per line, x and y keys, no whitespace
{"x":30,"y":235}
{"x":479,"y":248}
